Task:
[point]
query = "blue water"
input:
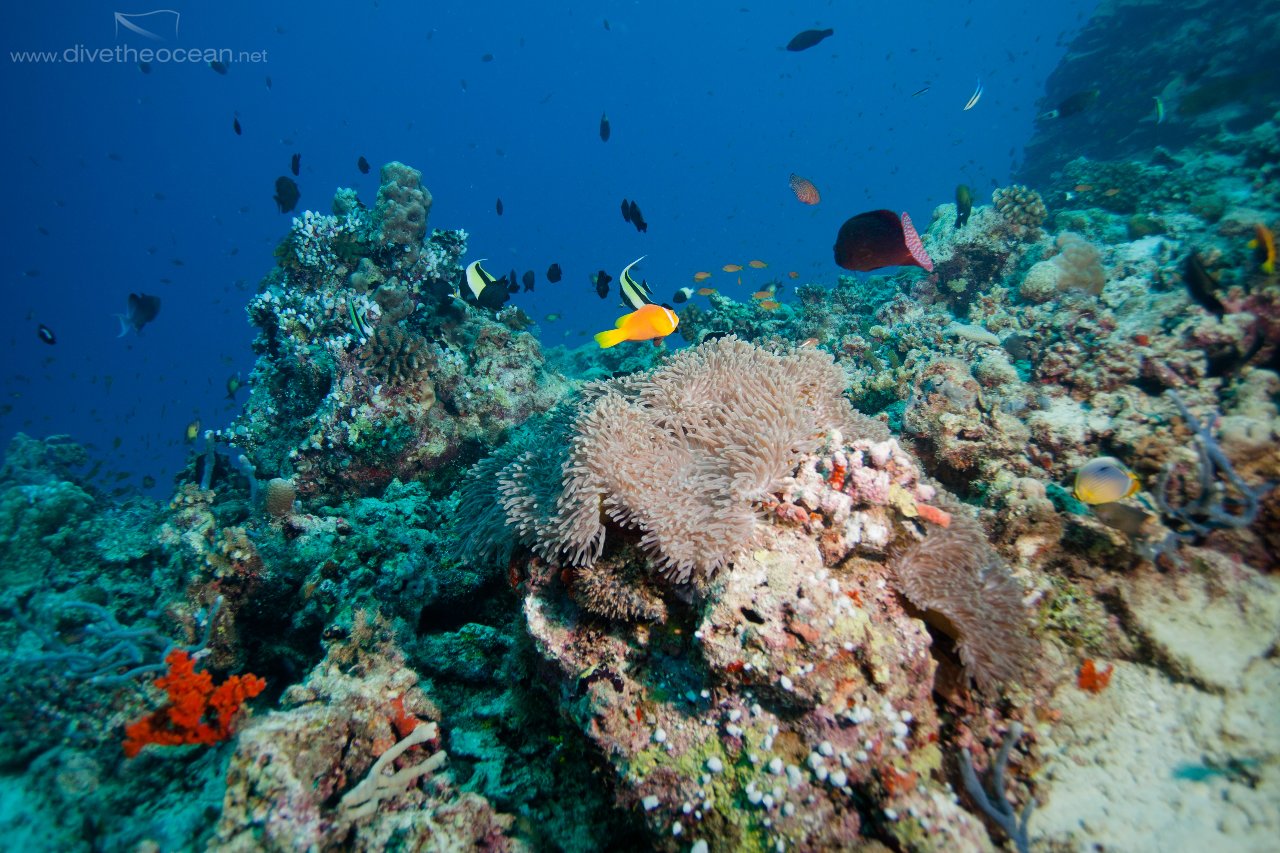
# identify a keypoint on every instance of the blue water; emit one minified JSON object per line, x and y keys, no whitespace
{"x":142,"y":185}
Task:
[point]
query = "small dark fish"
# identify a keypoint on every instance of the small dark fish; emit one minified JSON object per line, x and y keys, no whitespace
{"x":918,"y":92}
{"x":287,"y":194}
{"x":235,"y":125}
{"x":148,"y":482}
{"x":554,"y":274}
{"x":527,"y":280}
{"x":964,"y":204}
{"x":140,"y":310}
{"x":268,"y":81}
{"x":220,"y":67}
{"x":513,"y":282}
{"x":682,"y":295}
{"x":498,"y":206}
{"x":484,"y":289}
{"x":606,"y":23}
{"x":144,"y":67}
{"x":233,"y":385}
{"x":602,"y":280}
{"x":1073,"y":105}
{"x":363,"y":165}
{"x":1202,"y":286}
{"x":626,"y":210}
{"x":637,"y":219}
{"x":808,"y":39}
{"x":46,"y":334}
{"x":295,"y":164}
{"x":488,"y":57}
{"x":604,"y":128}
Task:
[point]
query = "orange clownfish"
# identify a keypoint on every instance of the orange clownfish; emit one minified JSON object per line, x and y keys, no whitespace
{"x":648,"y":323}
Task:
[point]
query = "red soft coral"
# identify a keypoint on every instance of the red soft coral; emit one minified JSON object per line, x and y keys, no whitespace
{"x":192,"y":700}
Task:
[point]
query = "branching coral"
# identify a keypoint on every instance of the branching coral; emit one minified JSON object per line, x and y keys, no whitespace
{"x":995,"y":805}
{"x":966,"y":591}
{"x":1209,"y":510}
{"x":362,"y":800}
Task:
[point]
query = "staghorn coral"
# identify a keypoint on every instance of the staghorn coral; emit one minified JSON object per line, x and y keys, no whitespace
{"x":1020,"y":205}
{"x":395,"y":356}
{"x":968,"y":593}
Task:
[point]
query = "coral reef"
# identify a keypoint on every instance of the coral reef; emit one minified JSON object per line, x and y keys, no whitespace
{"x":792,"y":587}
{"x":370,"y":371}
{"x":336,"y":735}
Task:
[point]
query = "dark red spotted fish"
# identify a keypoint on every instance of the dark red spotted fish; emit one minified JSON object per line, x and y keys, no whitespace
{"x":880,"y":238}
{"x":804,"y":189}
